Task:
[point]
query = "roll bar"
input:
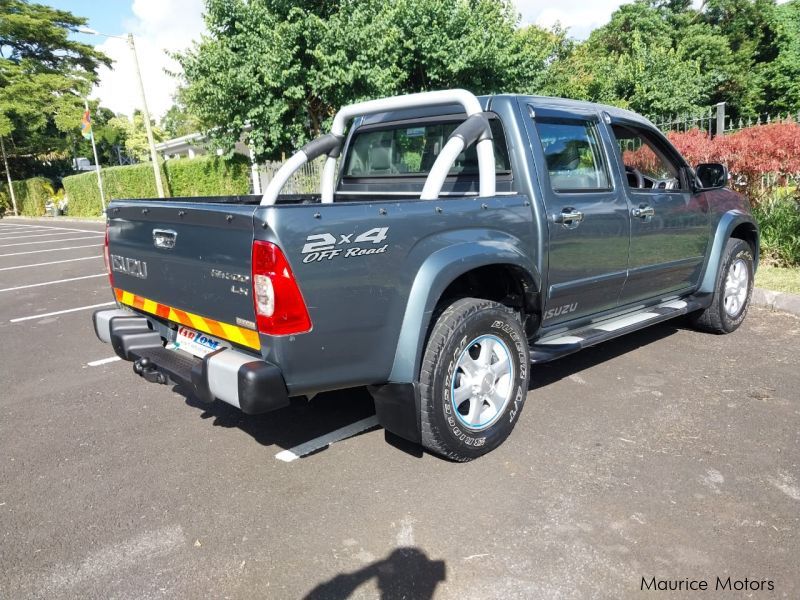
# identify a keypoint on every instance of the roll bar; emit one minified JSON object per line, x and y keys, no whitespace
{"x":473,"y":129}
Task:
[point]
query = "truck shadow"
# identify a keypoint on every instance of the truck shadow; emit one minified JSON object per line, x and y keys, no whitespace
{"x":305,"y":420}
{"x":301,"y":421}
{"x":546,"y":373}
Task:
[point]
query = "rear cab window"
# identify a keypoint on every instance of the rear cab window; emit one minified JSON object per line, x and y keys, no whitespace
{"x":412,"y":150}
{"x":397,"y":158}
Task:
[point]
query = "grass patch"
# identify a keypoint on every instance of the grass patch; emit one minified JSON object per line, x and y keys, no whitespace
{"x":779,"y":279}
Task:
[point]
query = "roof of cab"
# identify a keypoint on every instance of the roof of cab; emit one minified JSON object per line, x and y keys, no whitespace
{"x":567,"y":104}
{"x":488,"y":101}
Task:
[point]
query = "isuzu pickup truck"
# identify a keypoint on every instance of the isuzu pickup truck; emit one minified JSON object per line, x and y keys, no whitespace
{"x":456,"y":241}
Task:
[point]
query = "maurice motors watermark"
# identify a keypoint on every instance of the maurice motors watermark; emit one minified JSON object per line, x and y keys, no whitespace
{"x":720,"y":584}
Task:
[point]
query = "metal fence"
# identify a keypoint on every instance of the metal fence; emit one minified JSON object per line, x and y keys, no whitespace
{"x":305,"y":180}
{"x":714,"y":120}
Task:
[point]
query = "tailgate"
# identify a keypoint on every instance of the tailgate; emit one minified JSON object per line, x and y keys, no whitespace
{"x":185,"y":262}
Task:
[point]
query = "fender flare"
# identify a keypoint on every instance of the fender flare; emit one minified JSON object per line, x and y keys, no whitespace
{"x":437,"y":272}
{"x":727,"y":223}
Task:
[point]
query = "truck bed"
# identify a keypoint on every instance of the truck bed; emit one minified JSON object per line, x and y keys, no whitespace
{"x":354,"y":262}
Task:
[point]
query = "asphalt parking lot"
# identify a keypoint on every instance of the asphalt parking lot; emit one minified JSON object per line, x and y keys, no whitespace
{"x":668,"y":454}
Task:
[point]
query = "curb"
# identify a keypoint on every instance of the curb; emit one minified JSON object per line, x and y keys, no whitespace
{"x":12,"y":218}
{"x":777,"y":300}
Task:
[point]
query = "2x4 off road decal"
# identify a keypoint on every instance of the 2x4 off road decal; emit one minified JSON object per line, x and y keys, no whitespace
{"x":327,"y":246}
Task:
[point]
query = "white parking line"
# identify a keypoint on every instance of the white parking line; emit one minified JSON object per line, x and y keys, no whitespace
{"x":327,"y":439}
{"x":52,"y":262}
{"x":50,"y":250}
{"x":14,"y":231}
{"x":3,"y":238}
{"x":60,"y":312}
{"x":33,"y":285}
{"x":10,"y":227}
{"x":45,"y":242}
{"x":61,"y":228}
{"x":103,"y":361}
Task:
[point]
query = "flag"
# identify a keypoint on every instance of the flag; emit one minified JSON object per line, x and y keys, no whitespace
{"x":86,"y":125}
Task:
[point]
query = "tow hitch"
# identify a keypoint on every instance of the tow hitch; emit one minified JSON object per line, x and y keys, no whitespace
{"x":145,"y":367}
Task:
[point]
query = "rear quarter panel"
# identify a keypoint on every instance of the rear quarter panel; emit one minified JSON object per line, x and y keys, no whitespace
{"x":358,"y":302}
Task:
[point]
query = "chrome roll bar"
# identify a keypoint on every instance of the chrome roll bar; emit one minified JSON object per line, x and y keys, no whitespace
{"x":331,"y":144}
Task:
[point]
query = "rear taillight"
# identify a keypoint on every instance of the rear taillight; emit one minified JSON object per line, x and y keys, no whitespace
{"x":280,"y":308}
{"x":107,"y":258}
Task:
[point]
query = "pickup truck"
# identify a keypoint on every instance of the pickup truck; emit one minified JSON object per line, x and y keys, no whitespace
{"x":457,"y":240}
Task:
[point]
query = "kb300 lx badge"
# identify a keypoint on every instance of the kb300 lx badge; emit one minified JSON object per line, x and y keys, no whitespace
{"x":325,"y":246}
{"x":129,"y":266}
{"x":242,"y":290}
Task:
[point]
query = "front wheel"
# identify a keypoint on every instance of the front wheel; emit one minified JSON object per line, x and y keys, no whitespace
{"x":733,"y":291}
{"x":474,"y":379}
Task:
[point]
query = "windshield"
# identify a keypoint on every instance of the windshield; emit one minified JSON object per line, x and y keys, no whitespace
{"x":412,"y":150}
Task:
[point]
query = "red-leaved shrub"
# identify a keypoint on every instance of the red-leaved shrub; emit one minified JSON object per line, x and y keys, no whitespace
{"x":759,"y":158}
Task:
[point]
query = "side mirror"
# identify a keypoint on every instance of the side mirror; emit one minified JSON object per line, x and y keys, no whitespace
{"x":711,"y":176}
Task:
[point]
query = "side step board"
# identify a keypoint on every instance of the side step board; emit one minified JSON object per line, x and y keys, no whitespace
{"x":566,"y":342}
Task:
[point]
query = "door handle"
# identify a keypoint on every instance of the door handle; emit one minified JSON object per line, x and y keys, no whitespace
{"x":643,"y":212}
{"x":569,"y":218}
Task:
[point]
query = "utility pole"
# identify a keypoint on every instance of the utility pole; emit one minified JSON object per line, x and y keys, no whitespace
{"x":145,"y":113}
{"x":8,"y":176}
{"x":96,"y":162}
{"x":151,"y":142}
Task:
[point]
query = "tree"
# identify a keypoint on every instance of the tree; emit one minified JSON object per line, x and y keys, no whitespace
{"x":636,"y":61}
{"x":179,"y":120}
{"x":134,"y":136}
{"x":665,"y":57}
{"x":285,"y":67}
{"x":43,"y":76}
{"x":781,"y":77}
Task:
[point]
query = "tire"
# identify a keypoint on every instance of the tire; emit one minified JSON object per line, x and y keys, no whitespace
{"x":467,"y":334}
{"x":721,"y":316}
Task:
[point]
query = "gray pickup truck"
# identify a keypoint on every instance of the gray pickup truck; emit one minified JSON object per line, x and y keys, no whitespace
{"x":456,"y":241}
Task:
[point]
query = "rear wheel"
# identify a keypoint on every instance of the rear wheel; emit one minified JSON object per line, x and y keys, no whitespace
{"x":733,"y":291}
{"x":474,"y":379}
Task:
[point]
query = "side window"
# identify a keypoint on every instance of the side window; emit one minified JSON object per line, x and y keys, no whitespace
{"x":647,"y":165}
{"x":574,"y":155}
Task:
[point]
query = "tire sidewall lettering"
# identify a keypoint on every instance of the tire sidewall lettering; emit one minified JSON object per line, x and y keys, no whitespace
{"x":746,"y":255}
{"x":510,"y":335}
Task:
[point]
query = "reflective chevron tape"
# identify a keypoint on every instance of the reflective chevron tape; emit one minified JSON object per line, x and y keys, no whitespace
{"x":235,"y":334}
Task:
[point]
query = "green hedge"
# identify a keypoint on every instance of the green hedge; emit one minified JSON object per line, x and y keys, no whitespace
{"x":133,"y":181}
{"x":208,"y":176}
{"x":202,"y":176}
{"x":31,"y":194}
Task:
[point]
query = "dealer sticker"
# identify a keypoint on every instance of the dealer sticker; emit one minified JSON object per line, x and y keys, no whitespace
{"x":197,"y":343}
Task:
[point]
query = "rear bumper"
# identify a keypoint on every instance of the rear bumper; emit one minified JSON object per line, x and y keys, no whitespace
{"x":255,"y":386}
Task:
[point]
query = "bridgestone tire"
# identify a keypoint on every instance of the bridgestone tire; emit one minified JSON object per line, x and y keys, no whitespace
{"x":456,"y":329}
{"x":715,"y":319}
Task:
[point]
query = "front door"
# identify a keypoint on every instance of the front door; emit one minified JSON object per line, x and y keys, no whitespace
{"x":669,"y":223}
{"x":588,"y":220}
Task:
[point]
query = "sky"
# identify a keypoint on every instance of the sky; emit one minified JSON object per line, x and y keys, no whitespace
{"x":162,"y":26}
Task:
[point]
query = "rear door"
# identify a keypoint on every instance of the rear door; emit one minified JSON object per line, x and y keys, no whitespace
{"x":588,"y":220}
{"x":187,"y":263}
{"x":670,"y":226}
